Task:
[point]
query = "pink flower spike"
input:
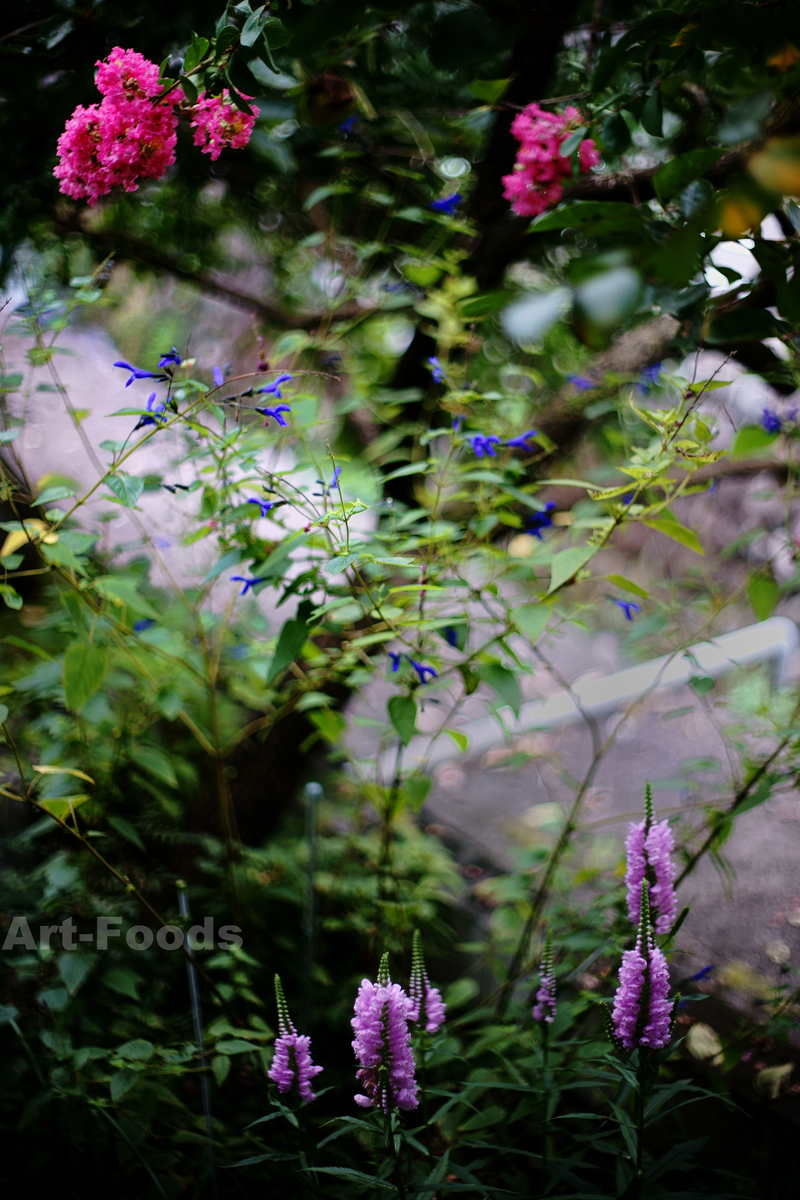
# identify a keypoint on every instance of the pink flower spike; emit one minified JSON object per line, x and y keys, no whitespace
{"x":292,"y":1058}
{"x":382,"y":1044}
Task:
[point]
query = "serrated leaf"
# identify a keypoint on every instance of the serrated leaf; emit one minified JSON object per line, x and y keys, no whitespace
{"x":139,"y":1050}
{"x":123,"y":982}
{"x":84,"y":670}
{"x":73,"y":969}
{"x":679,"y":533}
{"x":567,"y":563}
{"x":127,"y":488}
{"x":403,"y":715}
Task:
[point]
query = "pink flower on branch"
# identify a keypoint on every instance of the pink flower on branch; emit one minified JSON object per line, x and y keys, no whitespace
{"x":218,"y":123}
{"x":540,"y":169}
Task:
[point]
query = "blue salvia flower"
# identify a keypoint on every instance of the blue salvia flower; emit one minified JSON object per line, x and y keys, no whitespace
{"x":173,"y":359}
{"x":650,"y":377}
{"x":264,"y":505}
{"x":702,"y":974}
{"x":349,"y":124}
{"x":522,"y":441}
{"x":484,"y":445}
{"x":335,"y":477}
{"x":447,"y":206}
{"x":136,"y":372}
{"x":274,"y":388}
{"x":538,"y":521}
{"x":422,"y":671}
{"x":450,"y":636}
{"x":770,"y":421}
{"x":219,"y":377}
{"x":394,"y":655}
{"x":458,"y":422}
{"x":629,"y":607}
{"x":144,"y":623}
{"x":437,"y":374}
{"x":581,"y":382}
{"x":275,"y":413}
{"x":157,"y":409}
{"x":248,"y":583}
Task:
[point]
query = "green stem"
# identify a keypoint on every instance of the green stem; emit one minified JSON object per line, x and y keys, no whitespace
{"x":546,"y":1103}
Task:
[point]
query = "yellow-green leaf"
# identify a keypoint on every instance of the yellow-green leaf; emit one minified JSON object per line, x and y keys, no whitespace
{"x":566,"y":563}
{"x":621,"y":582}
{"x":679,"y":533}
{"x":64,"y":771}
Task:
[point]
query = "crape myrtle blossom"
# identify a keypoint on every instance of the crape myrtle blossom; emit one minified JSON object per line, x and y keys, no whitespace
{"x":648,"y":848}
{"x":642,"y":1012}
{"x":426,"y":1004}
{"x":382,"y":1044}
{"x":217,"y":123}
{"x":540,"y":169}
{"x":545,"y":1007}
{"x":292,"y":1060}
{"x":131,"y":134}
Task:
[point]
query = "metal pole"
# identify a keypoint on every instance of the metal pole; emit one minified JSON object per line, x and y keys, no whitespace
{"x":205,"y":1087}
{"x":313,"y":793}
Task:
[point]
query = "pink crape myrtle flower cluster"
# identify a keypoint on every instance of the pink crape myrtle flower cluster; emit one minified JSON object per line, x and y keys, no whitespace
{"x":131,"y":134}
{"x":536,"y":181}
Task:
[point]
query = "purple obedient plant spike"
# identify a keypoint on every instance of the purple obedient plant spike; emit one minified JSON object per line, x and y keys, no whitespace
{"x":292,"y":1059}
{"x":382,"y":1044}
{"x":545,"y":1007}
{"x":426,"y":1006}
{"x":642,"y":1010}
{"x":522,"y":440}
{"x":649,"y":847}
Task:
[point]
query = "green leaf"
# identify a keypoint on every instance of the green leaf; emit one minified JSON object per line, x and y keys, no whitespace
{"x":231,"y":558}
{"x":621,"y":582}
{"x":127,"y":488}
{"x":121,"y":591}
{"x":403,"y":715}
{"x":293,"y":636}
{"x":503,"y":682}
{"x":196,"y":53}
{"x":123,"y":982}
{"x":276,"y":35}
{"x":744,"y":325}
{"x":122,"y":1082}
{"x":319,"y":194}
{"x":490,"y":90}
{"x":615,"y":134}
{"x":531,"y":619}
{"x":587,"y":212}
{"x":234,"y":1046}
{"x":84,"y":669}
{"x":3,"y":714}
{"x":73,"y":969}
{"x":126,"y":830}
{"x":62,"y":556}
{"x":356,"y":1176}
{"x":153,"y":760}
{"x":11,"y":596}
{"x":9,"y":435}
{"x":475,"y":308}
{"x":571,"y":143}
{"x":54,"y":493}
{"x":653,"y":114}
{"x":679,"y":533}
{"x":338,"y":565}
{"x":676,"y":174}
{"x":331,"y":724}
{"x":460,"y":739}
{"x":138,"y":1050}
{"x":416,"y":788}
{"x":751,"y":439}
{"x":763,"y":594}
{"x":189,"y":90}
{"x":251,"y":30}
{"x":221,"y":1067}
{"x":567,"y":563}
